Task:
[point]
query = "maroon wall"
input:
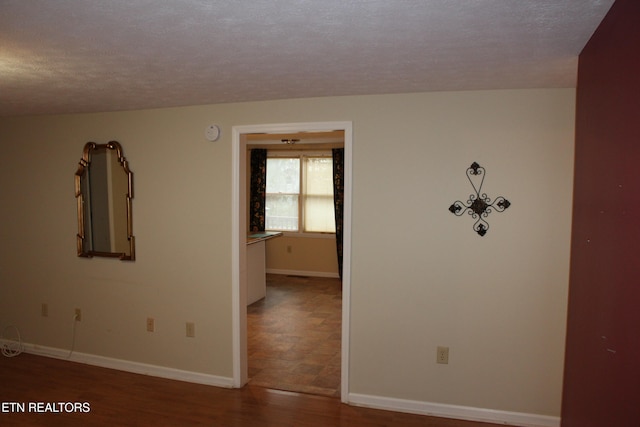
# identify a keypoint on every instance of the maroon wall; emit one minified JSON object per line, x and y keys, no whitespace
{"x":602,"y":366}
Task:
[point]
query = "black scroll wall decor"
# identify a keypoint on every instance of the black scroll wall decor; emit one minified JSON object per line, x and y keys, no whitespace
{"x":479,"y":205}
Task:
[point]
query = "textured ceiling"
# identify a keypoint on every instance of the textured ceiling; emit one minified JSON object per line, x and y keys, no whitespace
{"x":68,"y":56}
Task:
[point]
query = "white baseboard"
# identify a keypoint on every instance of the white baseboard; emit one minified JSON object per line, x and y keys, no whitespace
{"x":303,"y":273}
{"x":453,"y":411}
{"x":128,"y":366}
{"x":369,"y":401}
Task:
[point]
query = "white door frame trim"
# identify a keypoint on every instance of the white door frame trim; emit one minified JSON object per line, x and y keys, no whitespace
{"x":239,"y":232}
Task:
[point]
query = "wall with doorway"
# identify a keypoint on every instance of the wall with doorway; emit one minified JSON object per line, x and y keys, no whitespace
{"x":420,"y":276}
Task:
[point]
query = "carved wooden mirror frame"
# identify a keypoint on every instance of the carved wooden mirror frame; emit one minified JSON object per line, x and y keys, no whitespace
{"x":85,"y":245}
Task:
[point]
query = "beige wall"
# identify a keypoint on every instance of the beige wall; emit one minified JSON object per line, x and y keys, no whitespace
{"x":315,"y":256}
{"x":420,"y":276}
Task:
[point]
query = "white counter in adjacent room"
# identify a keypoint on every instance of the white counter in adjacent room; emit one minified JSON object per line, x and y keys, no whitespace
{"x":256,"y":264}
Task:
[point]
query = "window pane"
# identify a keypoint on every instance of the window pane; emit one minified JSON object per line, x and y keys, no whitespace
{"x":319,"y":214}
{"x":283,"y":175}
{"x":318,"y":201}
{"x":281,"y":212}
{"x":283,"y":188}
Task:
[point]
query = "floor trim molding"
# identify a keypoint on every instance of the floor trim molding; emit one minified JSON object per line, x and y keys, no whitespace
{"x":368,"y":401}
{"x":129,"y":366}
{"x":302,"y":273}
{"x":453,"y":411}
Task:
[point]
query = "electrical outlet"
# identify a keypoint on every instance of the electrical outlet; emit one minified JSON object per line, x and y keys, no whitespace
{"x":151,"y":324}
{"x":442,"y":355}
{"x":45,"y":310}
{"x":191,"y":329}
{"x":78,"y":315}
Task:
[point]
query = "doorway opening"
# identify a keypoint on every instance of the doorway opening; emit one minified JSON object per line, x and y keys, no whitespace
{"x":294,"y":335}
{"x":239,"y":239}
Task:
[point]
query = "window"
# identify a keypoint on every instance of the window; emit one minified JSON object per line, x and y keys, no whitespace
{"x":283,"y":194}
{"x":300,"y":193}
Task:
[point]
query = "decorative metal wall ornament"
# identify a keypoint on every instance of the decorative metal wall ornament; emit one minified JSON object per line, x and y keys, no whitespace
{"x":479,"y":205}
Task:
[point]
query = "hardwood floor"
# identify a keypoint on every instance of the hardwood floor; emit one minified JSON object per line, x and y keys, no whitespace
{"x":294,"y":335}
{"x":294,"y":344}
{"x":117,"y":398}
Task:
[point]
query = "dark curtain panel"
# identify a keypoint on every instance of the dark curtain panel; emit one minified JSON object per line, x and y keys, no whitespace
{"x":258,"y":189}
{"x":338,"y":199}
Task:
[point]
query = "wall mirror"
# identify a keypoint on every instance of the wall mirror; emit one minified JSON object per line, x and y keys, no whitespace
{"x":104,"y":189}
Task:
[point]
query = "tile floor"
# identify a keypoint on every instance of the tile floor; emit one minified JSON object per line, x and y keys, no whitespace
{"x":294,"y":335}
